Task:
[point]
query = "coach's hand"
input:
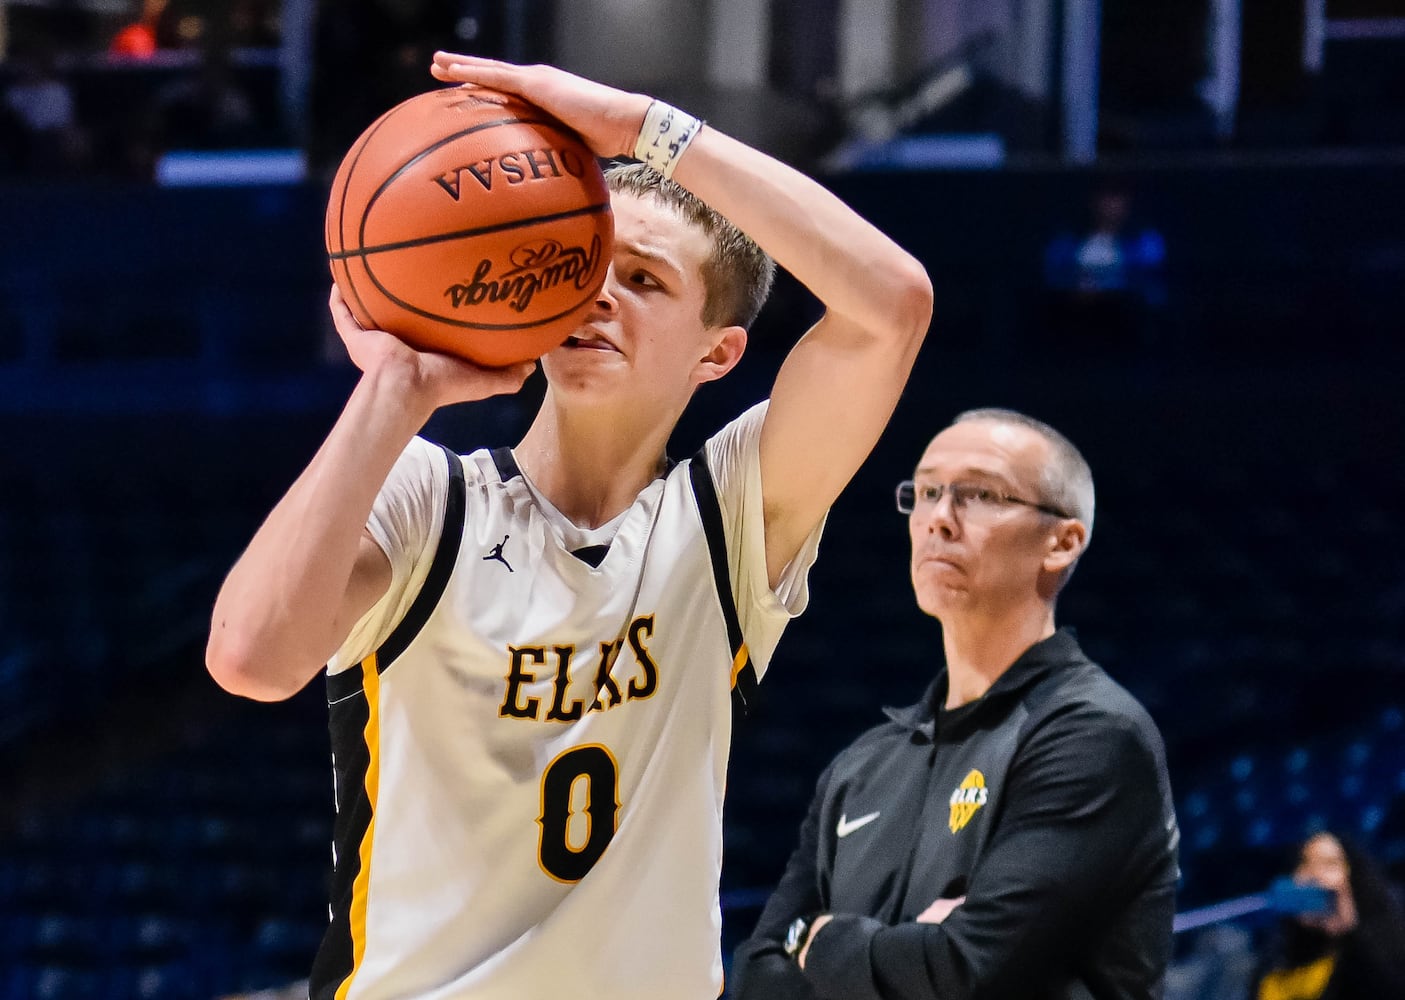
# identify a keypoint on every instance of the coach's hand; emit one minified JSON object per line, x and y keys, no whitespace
{"x":820,"y":921}
{"x":939,"y":910}
{"x":608,"y":120}
{"x":434,"y":379}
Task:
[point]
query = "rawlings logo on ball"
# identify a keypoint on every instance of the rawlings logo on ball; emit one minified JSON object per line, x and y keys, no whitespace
{"x":538,"y":266}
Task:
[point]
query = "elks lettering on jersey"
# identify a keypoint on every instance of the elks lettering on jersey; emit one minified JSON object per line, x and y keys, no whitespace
{"x":642,"y":680}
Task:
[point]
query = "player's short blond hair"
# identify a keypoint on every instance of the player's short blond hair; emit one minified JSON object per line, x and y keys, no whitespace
{"x":737,"y":275}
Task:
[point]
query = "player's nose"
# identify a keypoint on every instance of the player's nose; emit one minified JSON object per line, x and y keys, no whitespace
{"x":607,"y":299}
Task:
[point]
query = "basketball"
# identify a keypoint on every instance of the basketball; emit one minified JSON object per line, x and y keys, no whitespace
{"x":471,"y":223}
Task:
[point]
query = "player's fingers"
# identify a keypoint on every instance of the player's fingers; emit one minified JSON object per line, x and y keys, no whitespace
{"x":453,"y":68}
{"x":481,"y":382}
{"x":341,"y":312}
{"x":449,"y":58}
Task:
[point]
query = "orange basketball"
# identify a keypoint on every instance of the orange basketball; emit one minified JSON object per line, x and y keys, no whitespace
{"x":470,"y":222}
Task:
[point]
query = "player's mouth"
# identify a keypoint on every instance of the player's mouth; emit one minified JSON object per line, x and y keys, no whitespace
{"x":590,"y":342}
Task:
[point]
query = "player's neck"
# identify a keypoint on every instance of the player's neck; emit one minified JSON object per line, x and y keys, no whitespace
{"x":980,"y":648}
{"x":592,"y":465}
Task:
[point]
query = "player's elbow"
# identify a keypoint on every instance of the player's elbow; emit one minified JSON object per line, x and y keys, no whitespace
{"x":912,"y":299}
{"x":238,"y":668}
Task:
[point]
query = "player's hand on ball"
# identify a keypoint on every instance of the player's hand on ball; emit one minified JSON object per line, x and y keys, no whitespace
{"x":608,"y":120}
{"x":442,"y":378}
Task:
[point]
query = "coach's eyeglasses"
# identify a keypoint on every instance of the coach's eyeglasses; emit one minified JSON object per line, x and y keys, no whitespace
{"x":964,"y":497}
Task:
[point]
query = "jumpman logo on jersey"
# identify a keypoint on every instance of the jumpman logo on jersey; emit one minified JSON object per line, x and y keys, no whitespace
{"x":496,"y":553}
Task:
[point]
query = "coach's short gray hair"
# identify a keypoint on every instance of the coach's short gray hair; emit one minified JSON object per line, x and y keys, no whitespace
{"x":1067,"y":481}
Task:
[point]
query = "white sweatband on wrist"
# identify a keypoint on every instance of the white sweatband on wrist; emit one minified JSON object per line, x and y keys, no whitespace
{"x":664,"y":136}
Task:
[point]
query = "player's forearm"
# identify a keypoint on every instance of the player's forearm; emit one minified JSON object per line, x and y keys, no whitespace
{"x":854,"y":269}
{"x":292,"y":597}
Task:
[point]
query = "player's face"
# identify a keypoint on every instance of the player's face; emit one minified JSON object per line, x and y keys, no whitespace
{"x":979,"y":558}
{"x":646,"y":328}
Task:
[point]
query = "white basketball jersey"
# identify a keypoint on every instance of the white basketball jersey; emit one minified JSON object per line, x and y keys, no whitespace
{"x":531,"y":750}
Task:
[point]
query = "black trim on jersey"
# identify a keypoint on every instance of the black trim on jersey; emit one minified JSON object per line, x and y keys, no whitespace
{"x":445,"y":555}
{"x":509,"y":469}
{"x":710,"y":508}
{"x":351,"y":759}
{"x":592,"y":555}
{"x":506,"y":463}
{"x":348,"y":682}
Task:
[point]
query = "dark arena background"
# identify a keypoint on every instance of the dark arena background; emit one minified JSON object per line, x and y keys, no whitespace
{"x":1174,"y":231}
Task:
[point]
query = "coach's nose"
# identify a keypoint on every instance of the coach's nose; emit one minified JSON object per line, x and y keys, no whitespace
{"x":941,"y":517}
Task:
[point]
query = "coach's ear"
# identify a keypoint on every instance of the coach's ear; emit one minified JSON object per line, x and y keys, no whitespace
{"x":1064,"y":545}
{"x":728,"y":345}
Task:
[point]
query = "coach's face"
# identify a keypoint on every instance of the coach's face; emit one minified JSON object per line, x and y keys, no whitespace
{"x":991,"y":553}
{"x":647,"y":327}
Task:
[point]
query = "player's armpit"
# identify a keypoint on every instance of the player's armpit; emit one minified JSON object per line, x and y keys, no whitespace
{"x":370,"y":579}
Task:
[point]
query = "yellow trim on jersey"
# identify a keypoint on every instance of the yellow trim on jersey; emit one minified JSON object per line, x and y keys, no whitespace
{"x":371,"y":682}
{"x":1305,"y":982}
{"x":739,"y":662}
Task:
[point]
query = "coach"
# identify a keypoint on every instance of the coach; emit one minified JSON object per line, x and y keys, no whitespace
{"x":1011,"y":835}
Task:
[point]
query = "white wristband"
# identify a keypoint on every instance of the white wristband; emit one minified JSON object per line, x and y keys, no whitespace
{"x":664,"y":137}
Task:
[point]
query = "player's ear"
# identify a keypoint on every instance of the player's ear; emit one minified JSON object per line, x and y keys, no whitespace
{"x":728,"y":344}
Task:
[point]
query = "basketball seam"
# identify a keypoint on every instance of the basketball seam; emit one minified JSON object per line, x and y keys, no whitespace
{"x":480,"y":231}
{"x":341,"y":215}
{"x":361,"y":145}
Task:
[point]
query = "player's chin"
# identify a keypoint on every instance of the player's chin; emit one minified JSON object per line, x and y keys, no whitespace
{"x":580,"y":373}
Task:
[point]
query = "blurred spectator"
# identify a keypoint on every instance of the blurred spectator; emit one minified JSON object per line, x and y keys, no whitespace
{"x":1353,"y":951}
{"x":1104,"y":284}
{"x":372,"y":54}
{"x":208,"y":111}
{"x":143,"y":37}
{"x":253,"y":24}
{"x":40,"y":109}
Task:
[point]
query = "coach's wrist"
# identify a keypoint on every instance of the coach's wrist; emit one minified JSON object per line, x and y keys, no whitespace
{"x":837,"y":961}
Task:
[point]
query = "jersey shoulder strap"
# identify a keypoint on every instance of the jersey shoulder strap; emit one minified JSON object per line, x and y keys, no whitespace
{"x":744,"y":682}
{"x":347,"y":682}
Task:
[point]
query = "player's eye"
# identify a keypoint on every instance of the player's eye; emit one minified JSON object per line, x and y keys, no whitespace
{"x":644,"y":279}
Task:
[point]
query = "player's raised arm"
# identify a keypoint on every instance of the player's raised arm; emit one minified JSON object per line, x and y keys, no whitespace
{"x":312,"y":570}
{"x":840,"y":384}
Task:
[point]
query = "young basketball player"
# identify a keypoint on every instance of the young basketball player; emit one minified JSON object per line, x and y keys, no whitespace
{"x":531,"y":652}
